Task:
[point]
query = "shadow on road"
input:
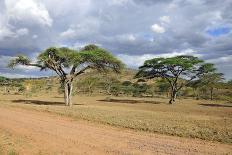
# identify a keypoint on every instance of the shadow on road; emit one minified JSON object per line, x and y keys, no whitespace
{"x":129,"y":101}
{"x":216,"y":105}
{"x":39,"y":102}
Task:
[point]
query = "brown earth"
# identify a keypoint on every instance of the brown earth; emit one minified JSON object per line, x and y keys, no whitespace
{"x":44,"y":133}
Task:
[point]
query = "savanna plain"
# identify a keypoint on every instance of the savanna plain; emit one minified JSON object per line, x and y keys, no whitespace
{"x":101,"y":124}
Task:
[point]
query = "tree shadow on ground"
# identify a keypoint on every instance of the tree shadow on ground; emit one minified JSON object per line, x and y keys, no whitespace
{"x":129,"y":101}
{"x":215,"y":105}
{"x":39,"y":102}
{"x":58,"y":97}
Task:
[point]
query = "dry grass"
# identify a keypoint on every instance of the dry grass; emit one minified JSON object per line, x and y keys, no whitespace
{"x":7,"y":143}
{"x":187,"y":118}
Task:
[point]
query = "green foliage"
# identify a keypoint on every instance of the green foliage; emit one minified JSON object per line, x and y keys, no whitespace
{"x":211,"y":79}
{"x":163,"y":85}
{"x":115,"y":89}
{"x":21,"y":87}
{"x":96,"y":57}
{"x":229,"y":82}
{"x":139,"y":89}
{"x":127,"y":90}
{"x":185,"y":66}
{"x":88,"y":84}
{"x":3,"y":79}
{"x":178,"y":71}
{"x":59,"y":58}
{"x":187,"y":92}
{"x":107,"y":81}
{"x":208,"y":82}
{"x":69,"y":63}
{"x":126,"y":83}
{"x":90,"y":47}
{"x":20,"y":59}
{"x":101,"y":59}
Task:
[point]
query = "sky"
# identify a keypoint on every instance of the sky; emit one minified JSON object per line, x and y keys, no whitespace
{"x":133,"y":30}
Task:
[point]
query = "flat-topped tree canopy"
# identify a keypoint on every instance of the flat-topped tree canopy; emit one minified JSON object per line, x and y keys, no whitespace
{"x":184,"y":65}
{"x":172,"y":69}
{"x":61,"y":59}
{"x":69,"y":63}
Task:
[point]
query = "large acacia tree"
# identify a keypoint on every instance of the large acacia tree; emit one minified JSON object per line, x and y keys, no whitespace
{"x":178,"y":71}
{"x":69,"y":63}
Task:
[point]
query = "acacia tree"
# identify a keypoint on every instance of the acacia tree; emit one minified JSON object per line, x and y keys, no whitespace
{"x":178,"y":71}
{"x":211,"y":80}
{"x":68,"y":64}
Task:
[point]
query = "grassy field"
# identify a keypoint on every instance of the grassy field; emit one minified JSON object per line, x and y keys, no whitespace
{"x":187,"y":118}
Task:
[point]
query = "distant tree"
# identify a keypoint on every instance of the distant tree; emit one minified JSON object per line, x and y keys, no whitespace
{"x":195,"y":85}
{"x":110,"y":83}
{"x":3,"y":79}
{"x":178,"y":71}
{"x":4,"y":82}
{"x":163,"y":85}
{"x":229,"y":83}
{"x":139,"y":89}
{"x":212,"y":81}
{"x":90,"y":83}
{"x":126,"y":83}
{"x":68,"y":64}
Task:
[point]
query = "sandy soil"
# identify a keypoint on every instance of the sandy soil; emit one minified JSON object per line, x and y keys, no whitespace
{"x":44,"y":133}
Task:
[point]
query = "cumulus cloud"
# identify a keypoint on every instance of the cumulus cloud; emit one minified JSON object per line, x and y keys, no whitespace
{"x":125,"y":38}
{"x":6,"y":33}
{"x":134,"y":30}
{"x":70,"y":33}
{"x":118,"y":2}
{"x":28,"y":10}
{"x":131,"y":37}
{"x":34,"y":36}
{"x":157,"y":28}
{"x":22,"y":31}
{"x":165,"y":19}
{"x":137,"y":60}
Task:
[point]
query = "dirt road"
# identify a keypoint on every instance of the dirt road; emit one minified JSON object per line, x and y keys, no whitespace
{"x":44,"y":133}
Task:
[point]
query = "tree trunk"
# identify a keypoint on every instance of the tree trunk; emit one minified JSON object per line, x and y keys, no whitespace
{"x":68,"y":93}
{"x":173,"y":95}
{"x":211,"y":93}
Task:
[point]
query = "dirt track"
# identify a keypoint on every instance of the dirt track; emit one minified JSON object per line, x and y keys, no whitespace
{"x":44,"y":133}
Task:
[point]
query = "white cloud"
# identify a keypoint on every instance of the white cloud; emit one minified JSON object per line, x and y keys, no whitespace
{"x":35,"y":36}
{"x":165,"y":19}
{"x":126,"y":38}
{"x":117,"y":2}
{"x":22,"y":32}
{"x":85,"y":28}
{"x":157,"y":28}
{"x":131,"y":37}
{"x":5,"y":32}
{"x":30,"y":11}
{"x":135,"y":60}
{"x":79,"y":45}
{"x":225,"y":59}
{"x":223,"y":64}
{"x":138,"y":60}
{"x":14,"y":75}
{"x":70,"y":33}
{"x":27,"y":68}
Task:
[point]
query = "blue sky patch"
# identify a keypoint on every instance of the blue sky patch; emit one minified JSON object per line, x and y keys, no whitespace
{"x":218,"y":31}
